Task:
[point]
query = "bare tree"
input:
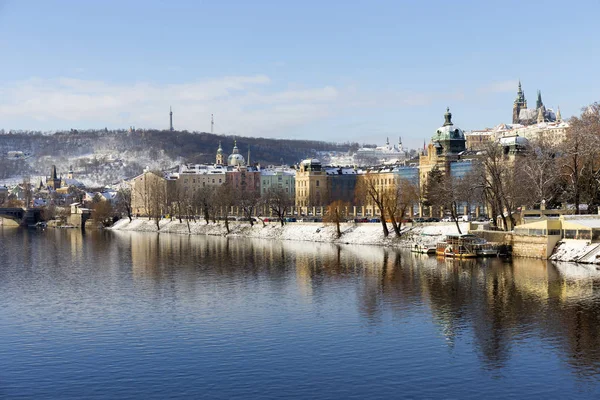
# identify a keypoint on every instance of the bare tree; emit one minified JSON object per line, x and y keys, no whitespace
{"x":400,"y":199}
{"x":369,"y":189}
{"x":279,"y":201}
{"x":102,"y":211}
{"x":123,"y":201}
{"x":580,"y":150}
{"x":441,"y":191}
{"x":540,"y":171}
{"x":248,"y":201}
{"x":204,"y":202}
{"x":226,"y":197}
{"x":336,"y":213}
{"x":156,"y":196}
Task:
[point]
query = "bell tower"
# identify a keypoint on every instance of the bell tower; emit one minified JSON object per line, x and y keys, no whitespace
{"x":519,"y":104}
{"x":220,"y":155}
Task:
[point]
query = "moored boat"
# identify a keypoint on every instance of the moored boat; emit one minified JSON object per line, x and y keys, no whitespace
{"x":465,"y":246}
{"x":423,"y":249}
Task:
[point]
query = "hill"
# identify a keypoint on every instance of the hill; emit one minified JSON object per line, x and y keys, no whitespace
{"x":102,"y":156}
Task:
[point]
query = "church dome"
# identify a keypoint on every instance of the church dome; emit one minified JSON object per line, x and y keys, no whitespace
{"x":235,"y":159}
{"x":448,"y":131}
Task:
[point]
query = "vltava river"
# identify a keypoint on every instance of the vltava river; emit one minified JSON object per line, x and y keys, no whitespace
{"x":115,"y":315}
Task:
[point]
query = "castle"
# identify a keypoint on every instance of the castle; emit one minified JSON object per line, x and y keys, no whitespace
{"x":530,"y":116}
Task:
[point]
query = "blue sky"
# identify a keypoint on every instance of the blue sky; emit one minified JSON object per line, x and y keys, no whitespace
{"x":330,"y":70}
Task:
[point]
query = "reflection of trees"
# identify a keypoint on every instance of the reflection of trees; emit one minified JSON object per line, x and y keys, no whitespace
{"x":500,"y":303}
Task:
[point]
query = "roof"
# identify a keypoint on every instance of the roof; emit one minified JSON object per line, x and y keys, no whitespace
{"x":586,"y":222}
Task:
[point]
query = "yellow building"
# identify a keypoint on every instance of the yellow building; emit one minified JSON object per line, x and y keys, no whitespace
{"x":311,"y":184}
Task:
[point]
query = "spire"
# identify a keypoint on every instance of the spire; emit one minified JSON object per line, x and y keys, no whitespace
{"x":387,"y":140}
{"x":558,"y":116}
{"x":520,"y":95}
{"x":540,"y":116}
{"x":220,"y":149}
{"x":53,"y":172}
{"x":447,"y":117}
{"x":539,"y":103}
{"x":248,"y":161}
{"x":235,"y":148}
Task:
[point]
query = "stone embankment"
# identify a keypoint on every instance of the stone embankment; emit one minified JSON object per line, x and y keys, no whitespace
{"x":352,"y":233}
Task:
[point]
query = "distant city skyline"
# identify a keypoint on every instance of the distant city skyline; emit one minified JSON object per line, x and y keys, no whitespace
{"x":358,"y":71}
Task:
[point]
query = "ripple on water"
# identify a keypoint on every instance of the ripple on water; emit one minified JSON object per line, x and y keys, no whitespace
{"x":128,"y":315}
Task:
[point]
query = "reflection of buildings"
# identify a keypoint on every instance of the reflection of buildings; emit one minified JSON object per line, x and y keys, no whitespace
{"x":495,"y":302}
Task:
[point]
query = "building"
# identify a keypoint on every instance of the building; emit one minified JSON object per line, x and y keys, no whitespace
{"x":53,"y":181}
{"x":529,"y":116}
{"x":244,"y":178}
{"x":446,"y":147}
{"x":387,"y":154}
{"x":283,"y":178}
{"x":341,"y":184}
{"x":151,"y":193}
{"x":311,"y":184}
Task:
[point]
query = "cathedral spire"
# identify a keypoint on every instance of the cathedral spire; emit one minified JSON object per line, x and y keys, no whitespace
{"x":540,"y":116}
{"x":539,"y":103}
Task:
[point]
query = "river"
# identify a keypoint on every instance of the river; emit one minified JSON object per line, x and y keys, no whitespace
{"x":109,"y":315}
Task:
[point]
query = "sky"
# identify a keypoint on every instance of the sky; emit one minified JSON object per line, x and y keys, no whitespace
{"x":340,"y":71}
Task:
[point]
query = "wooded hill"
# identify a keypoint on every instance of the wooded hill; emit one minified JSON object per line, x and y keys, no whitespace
{"x":196,"y":147}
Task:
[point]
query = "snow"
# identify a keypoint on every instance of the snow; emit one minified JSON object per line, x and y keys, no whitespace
{"x":352,"y":233}
{"x":572,"y":250}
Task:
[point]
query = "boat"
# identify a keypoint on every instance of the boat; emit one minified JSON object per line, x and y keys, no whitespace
{"x":423,"y":249}
{"x":465,"y":246}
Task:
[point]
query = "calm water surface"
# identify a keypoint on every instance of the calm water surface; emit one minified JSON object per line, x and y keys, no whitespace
{"x":131,"y":315}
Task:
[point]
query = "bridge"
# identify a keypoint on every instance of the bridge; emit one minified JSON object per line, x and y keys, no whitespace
{"x":21,"y":216}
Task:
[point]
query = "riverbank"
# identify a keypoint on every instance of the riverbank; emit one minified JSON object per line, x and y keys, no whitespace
{"x":352,"y":233}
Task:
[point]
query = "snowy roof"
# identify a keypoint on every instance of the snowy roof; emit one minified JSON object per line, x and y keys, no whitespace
{"x":593,"y":222}
{"x":311,"y":161}
{"x":273,"y":172}
{"x":340,"y":171}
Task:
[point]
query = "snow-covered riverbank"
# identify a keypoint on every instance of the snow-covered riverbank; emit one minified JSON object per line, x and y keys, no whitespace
{"x":352,"y":233}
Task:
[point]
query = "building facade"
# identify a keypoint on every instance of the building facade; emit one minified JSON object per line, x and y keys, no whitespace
{"x":283,"y":178}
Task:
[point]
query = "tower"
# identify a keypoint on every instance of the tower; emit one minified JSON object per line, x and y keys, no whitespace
{"x":558,"y":116}
{"x":519,"y":104}
{"x":220,"y":154}
{"x":212,"y":123}
{"x":170,"y":119}
{"x":540,"y":116}
{"x":539,"y":103}
{"x":54,"y":180}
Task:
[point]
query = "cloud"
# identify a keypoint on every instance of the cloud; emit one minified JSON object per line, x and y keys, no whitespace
{"x":247,"y":105}
{"x":499,"y":87}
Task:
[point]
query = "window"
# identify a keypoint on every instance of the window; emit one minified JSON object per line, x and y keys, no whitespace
{"x":570,"y":233}
{"x":585,"y":234}
{"x":219,"y":180}
{"x":317,"y":183}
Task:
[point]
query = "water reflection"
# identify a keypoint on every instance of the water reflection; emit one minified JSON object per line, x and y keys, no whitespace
{"x":495,"y":304}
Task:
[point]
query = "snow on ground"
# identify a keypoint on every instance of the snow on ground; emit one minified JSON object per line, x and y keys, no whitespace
{"x":572,"y":250}
{"x":352,"y":233}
